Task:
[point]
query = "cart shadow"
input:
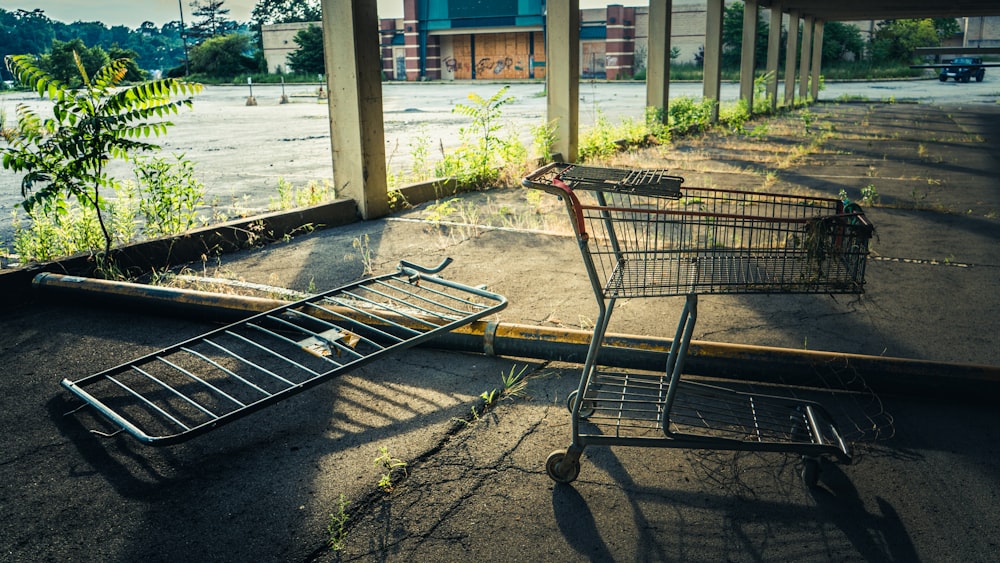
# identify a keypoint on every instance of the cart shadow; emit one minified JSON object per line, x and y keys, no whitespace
{"x":838,"y":500}
{"x":577,"y":525}
{"x":782,"y":515}
{"x":328,"y":419}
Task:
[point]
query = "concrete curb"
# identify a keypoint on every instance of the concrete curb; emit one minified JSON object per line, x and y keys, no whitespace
{"x":157,"y":254}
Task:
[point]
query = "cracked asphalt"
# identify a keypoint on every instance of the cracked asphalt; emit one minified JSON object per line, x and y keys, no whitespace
{"x":924,"y":485}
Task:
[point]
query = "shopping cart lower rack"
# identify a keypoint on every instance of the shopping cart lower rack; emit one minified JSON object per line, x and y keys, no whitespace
{"x":200,"y":384}
{"x":644,"y":235}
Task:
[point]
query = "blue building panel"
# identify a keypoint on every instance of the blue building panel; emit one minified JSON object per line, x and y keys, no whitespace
{"x":456,"y":14}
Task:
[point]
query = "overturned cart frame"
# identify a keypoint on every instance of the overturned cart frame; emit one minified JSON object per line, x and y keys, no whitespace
{"x":202,"y":383}
{"x":644,"y":235}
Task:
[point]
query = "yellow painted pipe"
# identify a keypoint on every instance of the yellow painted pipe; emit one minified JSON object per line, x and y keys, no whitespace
{"x":715,"y":359}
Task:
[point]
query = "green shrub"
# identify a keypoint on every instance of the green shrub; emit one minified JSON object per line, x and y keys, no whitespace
{"x":485,"y":152}
{"x":66,"y":156}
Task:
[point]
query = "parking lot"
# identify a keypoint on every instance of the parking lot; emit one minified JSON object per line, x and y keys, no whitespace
{"x":240,"y":152}
{"x":923,"y":485}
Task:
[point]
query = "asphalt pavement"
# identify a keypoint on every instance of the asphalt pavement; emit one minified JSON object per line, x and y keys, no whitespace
{"x":924,"y":482}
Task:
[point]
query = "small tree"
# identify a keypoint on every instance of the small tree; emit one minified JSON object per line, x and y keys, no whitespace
{"x":732,"y":36}
{"x":61,"y":62}
{"x":67,"y":155}
{"x":484,"y":149}
{"x":841,"y":42}
{"x":286,"y":11}
{"x":222,"y":57}
{"x":308,"y":58}
{"x":210,"y":20}
{"x":895,"y":40}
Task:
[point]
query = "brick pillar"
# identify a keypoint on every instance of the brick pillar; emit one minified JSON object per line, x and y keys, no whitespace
{"x":619,"y":46}
{"x":412,"y":40}
{"x":387,"y":31}
{"x":433,"y":67}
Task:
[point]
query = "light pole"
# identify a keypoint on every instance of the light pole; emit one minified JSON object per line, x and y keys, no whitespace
{"x":187,"y":61}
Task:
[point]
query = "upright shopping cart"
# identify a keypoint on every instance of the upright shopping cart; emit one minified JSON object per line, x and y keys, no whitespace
{"x":642,"y":234}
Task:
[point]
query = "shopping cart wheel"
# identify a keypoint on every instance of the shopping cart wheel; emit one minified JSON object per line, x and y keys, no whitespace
{"x":810,"y":471}
{"x":562,"y":469}
{"x":586,"y":409}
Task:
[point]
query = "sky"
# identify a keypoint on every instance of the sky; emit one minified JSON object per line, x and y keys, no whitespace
{"x":131,"y":15}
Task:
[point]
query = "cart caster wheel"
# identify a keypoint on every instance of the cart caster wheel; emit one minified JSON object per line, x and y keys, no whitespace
{"x":560,"y":469}
{"x":586,"y":409}
{"x":810,"y":471}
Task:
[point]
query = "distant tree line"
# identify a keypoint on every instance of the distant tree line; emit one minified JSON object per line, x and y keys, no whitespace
{"x":214,"y":46}
{"x":893,"y":41}
{"x":33,"y":33}
{"x":210,"y":45}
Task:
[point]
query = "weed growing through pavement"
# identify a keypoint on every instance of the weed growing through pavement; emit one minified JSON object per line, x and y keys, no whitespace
{"x":870,"y":196}
{"x":389,"y":465}
{"x":807,"y":118}
{"x":513,"y":384}
{"x":543,"y":137}
{"x":362,"y":245}
{"x":488,"y":154}
{"x":313,"y":193}
{"x":337,"y":526}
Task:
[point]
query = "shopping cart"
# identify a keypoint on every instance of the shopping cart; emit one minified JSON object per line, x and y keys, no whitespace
{"x":205,"y":382}
{"x":644,"y":235}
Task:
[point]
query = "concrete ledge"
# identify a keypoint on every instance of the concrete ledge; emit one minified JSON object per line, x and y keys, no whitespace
{"x":426,"y":191}
{"x":141,"y":257}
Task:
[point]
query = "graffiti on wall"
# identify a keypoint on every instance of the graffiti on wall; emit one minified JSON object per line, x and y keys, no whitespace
{"x":486,"y":66}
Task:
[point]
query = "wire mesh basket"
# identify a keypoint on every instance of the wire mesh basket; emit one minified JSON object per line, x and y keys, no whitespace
{"x":648,"y":244}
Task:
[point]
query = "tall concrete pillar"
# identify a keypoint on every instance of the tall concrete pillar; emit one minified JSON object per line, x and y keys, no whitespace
{"x":562,"y":74}
{"x":354,"y":82}
{"x":805,"y":57}
{"x":817,"y":58}
{"x":713,"y":54}
{"x":791,"y":54}
{"x":658,"y":57}
{"x":749,"y":50}
{"x":773,"y":54}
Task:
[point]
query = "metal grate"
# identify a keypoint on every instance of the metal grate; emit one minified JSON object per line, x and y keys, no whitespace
{"x":192,"y":387}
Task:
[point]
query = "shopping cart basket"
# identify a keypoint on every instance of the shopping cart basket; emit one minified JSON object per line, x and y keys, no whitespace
{"x":655,"y":238}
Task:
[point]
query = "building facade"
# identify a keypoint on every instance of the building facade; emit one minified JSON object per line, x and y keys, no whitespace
{"x":505,"y":39}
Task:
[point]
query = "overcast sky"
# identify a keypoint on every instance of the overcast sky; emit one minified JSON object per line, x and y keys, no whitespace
{"x":133,"y":13}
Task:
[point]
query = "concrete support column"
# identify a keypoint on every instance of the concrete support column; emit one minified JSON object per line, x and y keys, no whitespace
{"x":658,"y":57}
{"x":713,"y":54}
{"x":357,"y":134}
{"x":806,"y":57}
{"x":817,"y":59}
{"x":749,"y":50}
{"x":773,"y":54}
{"x":791,"y":52}
{"x":562,"y":74}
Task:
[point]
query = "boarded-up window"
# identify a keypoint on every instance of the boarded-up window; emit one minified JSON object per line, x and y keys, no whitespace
{"x":497,"y":56}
